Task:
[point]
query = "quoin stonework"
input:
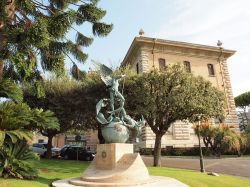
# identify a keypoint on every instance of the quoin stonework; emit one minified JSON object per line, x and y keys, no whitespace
{"x":209,"y":62}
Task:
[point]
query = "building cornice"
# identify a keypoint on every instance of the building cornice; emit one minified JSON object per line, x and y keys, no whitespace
{"x":153,"y":42}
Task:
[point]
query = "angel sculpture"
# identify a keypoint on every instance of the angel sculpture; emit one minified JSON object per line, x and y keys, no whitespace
{"x":118,"y":119}
{"x":112,"y":82}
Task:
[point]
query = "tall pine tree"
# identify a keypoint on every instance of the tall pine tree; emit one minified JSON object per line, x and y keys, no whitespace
{"x":33,"y":34}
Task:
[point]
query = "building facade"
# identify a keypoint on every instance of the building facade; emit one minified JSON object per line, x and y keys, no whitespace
{"x":147,"y":53}
{"x":209,"y":62}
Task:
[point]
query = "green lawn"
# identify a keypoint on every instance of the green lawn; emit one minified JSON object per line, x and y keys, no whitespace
{"x":50,"y":170}
{"x":197,"y":179}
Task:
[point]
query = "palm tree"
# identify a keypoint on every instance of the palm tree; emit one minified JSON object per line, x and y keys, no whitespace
{"x":17,"y":121}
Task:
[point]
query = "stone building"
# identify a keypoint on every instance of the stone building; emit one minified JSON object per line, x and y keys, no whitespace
{"x":207,"y":61}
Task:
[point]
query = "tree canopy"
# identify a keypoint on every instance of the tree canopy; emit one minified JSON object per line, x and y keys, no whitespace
{"x":220,"y":139}
{"x":73,"y":103}
{"x":34,"y":37}
{"x":17,"y":121}
{"x":166,"y":97}
{"x":242,"y":101}
{"x":34,"y":34}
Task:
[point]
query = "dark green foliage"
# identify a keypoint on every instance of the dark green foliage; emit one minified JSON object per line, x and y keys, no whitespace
{"x":15,"y":161}
{"x":165,"y":97}
{"x":243,"y":103}
{"x":35,"y":35}
{"x":17,"y":120}
{"x":77,"y":53}
{"x":90,"y":13}
{"x":83,"y":40}
{"x":60,"y":23}
{"x":242,"y":100}
{"x":101,"y":29}
{"x":9,"y":90}
{"x":73,"y":102}
{"x":19,"y":116}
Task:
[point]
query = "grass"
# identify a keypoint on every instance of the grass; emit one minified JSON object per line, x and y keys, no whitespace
{"x":51,"y":170}
{"x":197,"y":179}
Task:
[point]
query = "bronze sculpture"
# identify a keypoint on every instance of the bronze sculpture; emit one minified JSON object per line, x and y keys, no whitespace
{"x":118,"y":126}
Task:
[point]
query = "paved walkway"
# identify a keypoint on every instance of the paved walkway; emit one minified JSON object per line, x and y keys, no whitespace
{"x":231,"y":166}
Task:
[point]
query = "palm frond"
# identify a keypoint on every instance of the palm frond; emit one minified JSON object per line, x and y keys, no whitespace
{"x":16,"y":160}
{"x":8,"y":89}
{"x":45,"y":119}
{"x":14,"y":116}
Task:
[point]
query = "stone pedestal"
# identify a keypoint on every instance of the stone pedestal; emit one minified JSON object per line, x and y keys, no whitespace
{"x":108,"y":155}
{"x":115,"y":165}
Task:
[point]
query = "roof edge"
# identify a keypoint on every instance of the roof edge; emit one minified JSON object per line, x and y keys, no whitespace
{"x":176,"y":43}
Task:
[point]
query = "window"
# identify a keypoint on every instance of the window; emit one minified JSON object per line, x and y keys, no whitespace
{"x":210,"y":69}
{"x":187,"y":66}
{"x":137,"y":68}
{"x":162,"y":64}
{"x":40,"y":140}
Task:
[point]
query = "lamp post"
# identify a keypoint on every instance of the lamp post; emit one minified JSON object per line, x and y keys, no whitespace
{"x":202,"y":169}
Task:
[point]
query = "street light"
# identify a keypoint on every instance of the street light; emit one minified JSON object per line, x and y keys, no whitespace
{"x":202,"y":169}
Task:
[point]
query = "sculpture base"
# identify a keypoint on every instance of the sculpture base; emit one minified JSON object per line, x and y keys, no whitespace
{"x":116,"y":165}
{"x":153,"y":182}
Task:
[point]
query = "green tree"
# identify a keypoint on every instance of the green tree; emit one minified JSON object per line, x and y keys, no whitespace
{"x":165,"y":97}
{"x":34,"y":34}
{"x":242,"y":101}
{"x":17,"y":121}
{"x":73,"y":103}
{"x":221,"y":139}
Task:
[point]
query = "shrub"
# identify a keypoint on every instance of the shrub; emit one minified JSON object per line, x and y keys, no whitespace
{"x":15,"y":160}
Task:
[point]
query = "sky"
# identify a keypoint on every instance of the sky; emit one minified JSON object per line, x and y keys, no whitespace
{"x":196,"y":21}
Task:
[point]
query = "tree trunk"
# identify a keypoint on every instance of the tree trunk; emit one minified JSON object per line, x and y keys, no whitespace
{"x":1,"y":69}
{"x":100,"y":137}
{"x":157,"y":150}
{"x":49,"y":146}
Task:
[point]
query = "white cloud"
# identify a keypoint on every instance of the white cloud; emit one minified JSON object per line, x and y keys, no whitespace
{"x":207,"y":21}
